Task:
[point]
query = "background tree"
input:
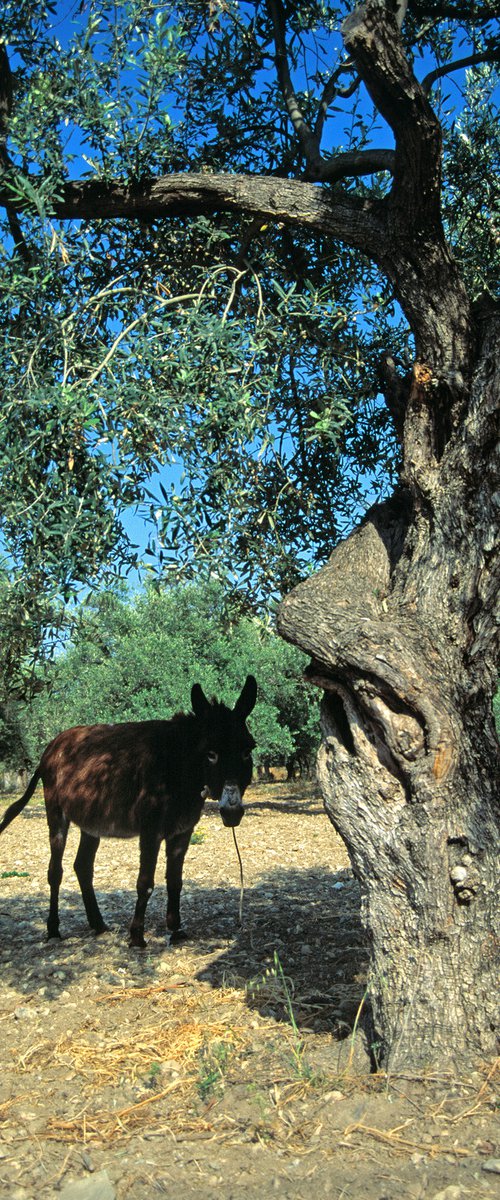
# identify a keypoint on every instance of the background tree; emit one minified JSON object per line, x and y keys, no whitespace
{"x":188,"y":289}
{"x":137,"y":659}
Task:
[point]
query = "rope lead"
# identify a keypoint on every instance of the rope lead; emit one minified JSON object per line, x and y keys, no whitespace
{"x":241,"y":878}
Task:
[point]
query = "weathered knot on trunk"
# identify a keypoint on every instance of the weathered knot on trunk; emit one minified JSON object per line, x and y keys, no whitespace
{"x":372,"y":655}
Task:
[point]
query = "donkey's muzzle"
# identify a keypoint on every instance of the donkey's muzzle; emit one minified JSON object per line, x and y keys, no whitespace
{"x":231,"y":805}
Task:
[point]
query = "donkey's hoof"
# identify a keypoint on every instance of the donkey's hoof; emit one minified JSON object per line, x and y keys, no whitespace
{"x":99,"y":929}
{"x":178,"y":935}
{"x":137,"y":942}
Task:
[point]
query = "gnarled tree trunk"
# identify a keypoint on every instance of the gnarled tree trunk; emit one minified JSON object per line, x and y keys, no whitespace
{"x":403,"y":635}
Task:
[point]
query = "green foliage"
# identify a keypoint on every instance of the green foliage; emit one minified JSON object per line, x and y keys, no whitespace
{"x":472,"y":195}
{"x":137,"y":660}
{"x":213,"y":1064}
{"x":238,"y":358}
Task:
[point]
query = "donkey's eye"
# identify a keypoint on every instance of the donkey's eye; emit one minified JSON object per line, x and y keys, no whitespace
{"x":212,"y":756}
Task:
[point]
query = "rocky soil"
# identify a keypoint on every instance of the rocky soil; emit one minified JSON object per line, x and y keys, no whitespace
{"x":226,"y":1066}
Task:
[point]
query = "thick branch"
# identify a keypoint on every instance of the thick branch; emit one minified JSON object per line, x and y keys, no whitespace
{"x":354,"y":163}
{"x":372,"y":36}
{"x":357,"y":221}
{"x":427,"y":284}
{"x":420,"y":265}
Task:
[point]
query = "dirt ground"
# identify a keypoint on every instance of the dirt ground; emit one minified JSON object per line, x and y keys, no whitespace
{"x":226,"y":1066}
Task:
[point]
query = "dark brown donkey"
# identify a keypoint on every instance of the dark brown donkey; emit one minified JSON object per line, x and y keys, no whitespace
{"x":145,"y":779}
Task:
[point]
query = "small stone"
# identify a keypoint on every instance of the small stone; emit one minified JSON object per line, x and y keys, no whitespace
{"x":458,"y":874}
{"x":94,"y":1187}
{"x":485,"y":1147}
{"x":306,"y":949}
{"x":450,"y":1193}
{"x":493,"y":1165}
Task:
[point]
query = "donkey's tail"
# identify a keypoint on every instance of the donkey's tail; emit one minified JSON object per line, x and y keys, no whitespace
{"x":18,"y":805}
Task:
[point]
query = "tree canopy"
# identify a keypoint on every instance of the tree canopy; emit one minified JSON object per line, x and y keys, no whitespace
{"x":237,"y":345}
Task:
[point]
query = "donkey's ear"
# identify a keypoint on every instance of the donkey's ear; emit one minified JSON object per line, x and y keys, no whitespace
{"x":246,"y":702}
{"x":200,"y":705}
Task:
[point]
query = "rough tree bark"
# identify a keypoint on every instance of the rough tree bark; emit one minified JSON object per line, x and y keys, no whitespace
{"x":401,"y":628}
{"x":403,"y":634}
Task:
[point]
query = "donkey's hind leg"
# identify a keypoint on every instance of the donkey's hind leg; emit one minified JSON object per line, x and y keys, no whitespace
{"x":58,"y":832}
{"x":84,"y":869}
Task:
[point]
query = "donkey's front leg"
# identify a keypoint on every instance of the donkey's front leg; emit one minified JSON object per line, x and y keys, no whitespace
{"x":177,"y":845}
{"x":149,"y":846}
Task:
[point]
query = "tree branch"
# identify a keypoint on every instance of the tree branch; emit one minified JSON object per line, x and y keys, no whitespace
{"x":395,"y":391}
{"x":402,"y":233}
{"x":20,"y":246}
{"x":489,"y":10}
{"x":359,"y":222}
{"x":329,"y":94}
{"x":473,"y":60}
{"x":308,"y":141}
{"x":355,"y":163}
{"x":426,"y":279}
{"x":372,"y":36}
{"x":340,"y":166}
{"x":5,"y":93}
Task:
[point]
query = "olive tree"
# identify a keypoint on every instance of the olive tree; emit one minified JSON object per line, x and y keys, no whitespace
{"x":400,"y":622}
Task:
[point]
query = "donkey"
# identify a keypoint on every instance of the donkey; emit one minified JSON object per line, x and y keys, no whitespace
{"x":146,"y":779}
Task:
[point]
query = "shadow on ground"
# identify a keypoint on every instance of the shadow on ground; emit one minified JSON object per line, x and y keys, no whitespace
{"x":300,"y":940}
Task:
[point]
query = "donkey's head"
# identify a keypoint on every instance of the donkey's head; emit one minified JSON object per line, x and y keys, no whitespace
{"x":226,"y":747}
